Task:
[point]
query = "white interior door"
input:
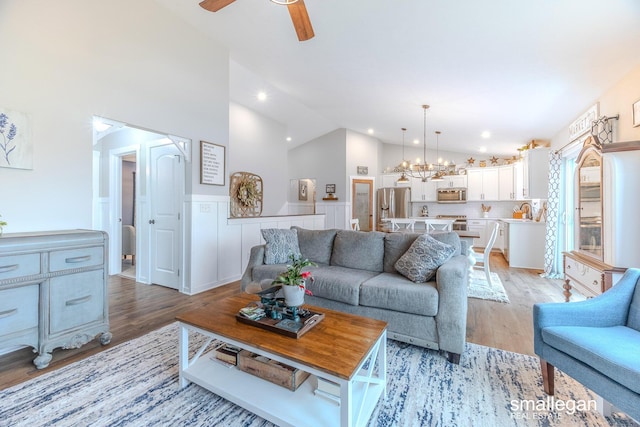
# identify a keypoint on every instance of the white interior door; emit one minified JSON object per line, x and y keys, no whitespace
{"x":166,"y":186}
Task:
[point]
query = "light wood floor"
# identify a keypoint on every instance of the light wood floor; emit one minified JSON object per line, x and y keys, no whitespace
{"x":136,"y":309}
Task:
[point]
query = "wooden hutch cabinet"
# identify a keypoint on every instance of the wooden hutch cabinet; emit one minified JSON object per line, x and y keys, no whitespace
{"x":606,"y":234}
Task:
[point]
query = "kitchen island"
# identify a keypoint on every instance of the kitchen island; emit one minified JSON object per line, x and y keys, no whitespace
{"x":524,"y":243}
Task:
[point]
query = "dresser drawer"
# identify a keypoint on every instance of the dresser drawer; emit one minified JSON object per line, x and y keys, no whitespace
{"x":18,"y":309}
{"x":12,"y":266}
{"x":76,"y":258}
{"x":75,"y":300}
{"x":589,"y":278}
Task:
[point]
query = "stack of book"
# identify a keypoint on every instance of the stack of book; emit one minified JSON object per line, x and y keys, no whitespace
{"x":252,"y":312}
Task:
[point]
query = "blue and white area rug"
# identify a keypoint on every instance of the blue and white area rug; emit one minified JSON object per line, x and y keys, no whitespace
{"x":136,"y":384}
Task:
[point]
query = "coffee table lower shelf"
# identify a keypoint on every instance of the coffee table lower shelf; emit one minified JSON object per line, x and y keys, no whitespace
{"x":278,"y":404}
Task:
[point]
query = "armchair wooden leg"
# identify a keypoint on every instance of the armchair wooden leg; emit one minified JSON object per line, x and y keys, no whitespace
{"x":453,"y":358}
{"x":547,"y":376}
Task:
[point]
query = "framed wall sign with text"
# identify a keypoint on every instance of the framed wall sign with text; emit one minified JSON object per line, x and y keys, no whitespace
{"x":212,"y":163}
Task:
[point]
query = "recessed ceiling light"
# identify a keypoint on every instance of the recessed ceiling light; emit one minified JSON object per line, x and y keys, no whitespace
{"x":486,"y":134}
{"x":482,"y":149}
{"x":288,"y":139}
{"x":415,"y":141}
{"x":262,"y":96}
{"x":370,"y":131}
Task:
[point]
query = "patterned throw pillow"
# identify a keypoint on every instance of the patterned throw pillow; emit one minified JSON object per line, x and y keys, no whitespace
{"x":422,"y":259}
{"x":281,"y":243}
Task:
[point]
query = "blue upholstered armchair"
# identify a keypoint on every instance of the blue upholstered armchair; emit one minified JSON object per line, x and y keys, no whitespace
{"x":596,"y":341}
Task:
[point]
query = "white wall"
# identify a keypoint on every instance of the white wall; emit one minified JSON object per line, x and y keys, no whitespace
{"x":617,"y":100}
{"x":322,"y":159}
{"x":259,"y":147}
{"x":64,"y":62}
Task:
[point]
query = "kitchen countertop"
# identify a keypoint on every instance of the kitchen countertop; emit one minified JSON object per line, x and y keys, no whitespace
{"x":520,"y":221}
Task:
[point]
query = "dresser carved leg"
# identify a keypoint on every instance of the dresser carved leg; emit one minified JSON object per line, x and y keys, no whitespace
{"x":567,"y":290}
{"x":42,"y":361}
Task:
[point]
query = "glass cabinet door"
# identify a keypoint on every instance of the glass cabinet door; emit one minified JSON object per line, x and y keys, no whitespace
{"x":589,"y":206}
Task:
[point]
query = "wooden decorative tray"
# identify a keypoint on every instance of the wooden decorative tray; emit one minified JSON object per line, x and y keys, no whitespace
{"x":286,"y":327}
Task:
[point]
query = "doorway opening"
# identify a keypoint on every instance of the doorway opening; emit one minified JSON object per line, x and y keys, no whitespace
{"x":128,"y":215}
{"x":127,"y":203}
{"x":362,"y":202}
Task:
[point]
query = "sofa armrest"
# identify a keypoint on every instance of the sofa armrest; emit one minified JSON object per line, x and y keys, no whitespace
{"x":452,"y":279}
{"x":256,"y":257}
{"x":608,"y":309}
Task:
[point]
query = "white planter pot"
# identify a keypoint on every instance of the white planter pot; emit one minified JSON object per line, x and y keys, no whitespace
{"x":293,"y":295}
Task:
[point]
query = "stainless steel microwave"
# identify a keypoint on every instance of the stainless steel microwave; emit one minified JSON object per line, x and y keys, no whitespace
{"x":452,"y":195}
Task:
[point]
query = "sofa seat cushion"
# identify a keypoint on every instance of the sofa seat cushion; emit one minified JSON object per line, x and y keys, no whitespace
{"x":612,"y":351}
{"x":392,"y":291}
{"x":315,"y":245}
{"x":267,"y":271}
{"x":338,"y":283}
{"x":359,"y":250}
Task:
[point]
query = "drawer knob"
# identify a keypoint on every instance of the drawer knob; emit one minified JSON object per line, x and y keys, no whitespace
{"x":595,"y":283}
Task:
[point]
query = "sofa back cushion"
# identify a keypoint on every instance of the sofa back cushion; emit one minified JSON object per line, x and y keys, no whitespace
{"x":316,"y":245}
{"x":396,"y":244}
{"x":359,"y":249}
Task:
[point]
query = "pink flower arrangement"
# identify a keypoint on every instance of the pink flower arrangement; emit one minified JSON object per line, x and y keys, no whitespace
{"x":294,"y":276}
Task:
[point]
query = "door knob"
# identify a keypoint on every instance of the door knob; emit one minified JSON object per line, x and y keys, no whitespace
{"x":152,"y":221}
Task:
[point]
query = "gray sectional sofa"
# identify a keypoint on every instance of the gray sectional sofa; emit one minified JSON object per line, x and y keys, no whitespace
{"x":356,"y":274}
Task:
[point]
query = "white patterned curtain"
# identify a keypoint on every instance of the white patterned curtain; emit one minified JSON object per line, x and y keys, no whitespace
{"x":554,"y":239}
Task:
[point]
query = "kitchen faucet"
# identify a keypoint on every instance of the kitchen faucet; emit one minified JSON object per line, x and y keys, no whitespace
{"x":528,"y":212}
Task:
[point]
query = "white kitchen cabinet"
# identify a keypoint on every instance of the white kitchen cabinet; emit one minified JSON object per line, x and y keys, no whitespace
{"x":535,"y":173}
{"x":482,"y":184}
{"x":526,"y":244}
{"x":423,"y":191}
{"x":499,"y":243}
{"x":510,"y":182}
{"x":391,"y":180}
{"x":453,"y":181}
{"x":53,"y":290}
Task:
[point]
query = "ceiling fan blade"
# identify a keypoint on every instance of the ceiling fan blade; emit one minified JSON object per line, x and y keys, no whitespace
{"x":301,"y":21}
{"x":215,"y":5}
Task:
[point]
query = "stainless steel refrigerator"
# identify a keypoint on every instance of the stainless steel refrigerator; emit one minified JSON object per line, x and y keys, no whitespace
{"x":394,"y":202}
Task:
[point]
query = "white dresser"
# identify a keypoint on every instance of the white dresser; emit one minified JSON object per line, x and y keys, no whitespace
{"x":53,"y":290}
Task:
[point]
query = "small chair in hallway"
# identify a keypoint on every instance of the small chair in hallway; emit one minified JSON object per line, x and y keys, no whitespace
{"x":482,"y":260}
{"x":129,"y":242}
{"x":355,"y":224}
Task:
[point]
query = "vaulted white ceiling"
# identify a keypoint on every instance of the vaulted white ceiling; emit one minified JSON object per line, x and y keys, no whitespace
{"x":520,"y":70}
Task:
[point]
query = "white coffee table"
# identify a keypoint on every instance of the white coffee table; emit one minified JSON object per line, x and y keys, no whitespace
{"x":346,"y":349}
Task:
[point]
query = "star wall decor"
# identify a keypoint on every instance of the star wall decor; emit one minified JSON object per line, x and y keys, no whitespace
{"x":494,"y":160}
{"x":471,"y":161}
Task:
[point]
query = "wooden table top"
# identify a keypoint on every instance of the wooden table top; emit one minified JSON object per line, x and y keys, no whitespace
{"x":337,"y":345}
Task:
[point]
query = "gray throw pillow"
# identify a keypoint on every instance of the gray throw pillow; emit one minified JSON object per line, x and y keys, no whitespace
{"x":422,"y":259}
{"x":280,"y":244}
